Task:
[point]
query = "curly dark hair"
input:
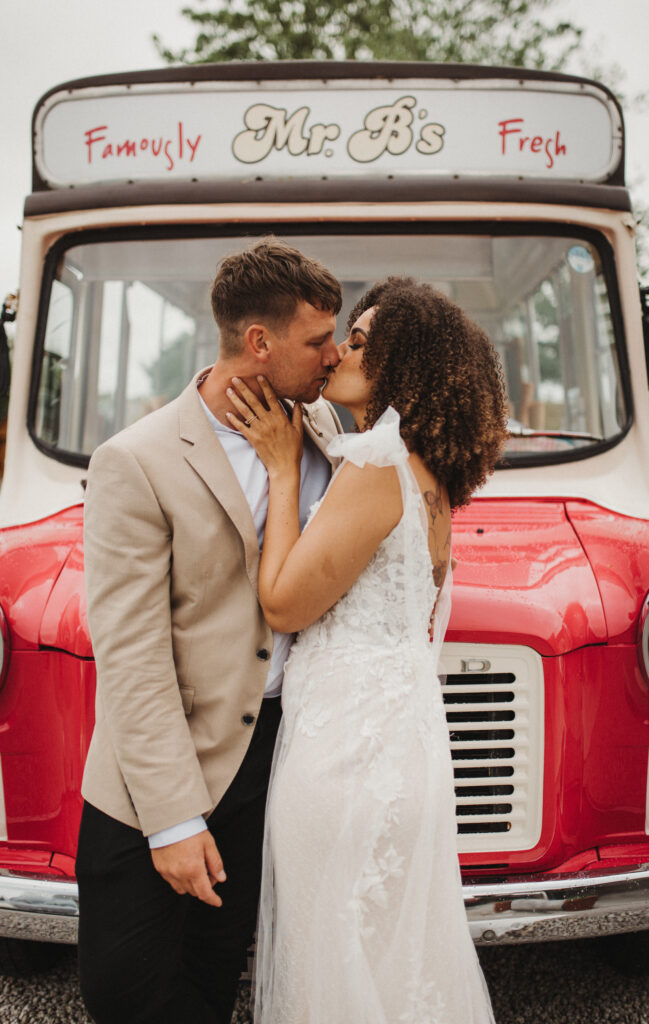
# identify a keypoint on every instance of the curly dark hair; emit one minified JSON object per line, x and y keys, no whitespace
{"x":439,"y":370}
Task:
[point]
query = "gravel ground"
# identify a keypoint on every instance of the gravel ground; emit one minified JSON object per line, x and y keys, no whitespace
{"x":554,"y":983}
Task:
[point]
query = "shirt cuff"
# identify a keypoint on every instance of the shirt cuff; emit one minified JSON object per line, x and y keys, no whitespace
{"x":175,"y":833}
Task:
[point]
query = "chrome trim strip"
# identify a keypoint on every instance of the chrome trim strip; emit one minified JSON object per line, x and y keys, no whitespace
{"x":38,"y":907}
{"x":506,"y":911}
{"x":545,"y":907}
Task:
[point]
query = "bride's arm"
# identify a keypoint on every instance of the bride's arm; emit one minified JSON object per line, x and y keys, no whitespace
{"x":301,"y":577}
{"x":299,"y":585}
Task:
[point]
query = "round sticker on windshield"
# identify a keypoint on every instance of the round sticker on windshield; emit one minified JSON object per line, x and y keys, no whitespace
{"x":580,"y":259}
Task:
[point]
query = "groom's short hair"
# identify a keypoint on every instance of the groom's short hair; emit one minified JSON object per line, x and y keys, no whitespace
{"x":265,"y":283}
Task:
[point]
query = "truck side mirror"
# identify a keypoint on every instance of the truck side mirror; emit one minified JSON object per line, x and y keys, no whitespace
{"x":644,"y":305}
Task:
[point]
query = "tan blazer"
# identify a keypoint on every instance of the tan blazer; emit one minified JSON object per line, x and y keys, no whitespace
{"x":181,"y":645}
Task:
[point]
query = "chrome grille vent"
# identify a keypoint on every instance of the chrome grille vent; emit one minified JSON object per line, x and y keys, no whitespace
{"x":493,"y":697}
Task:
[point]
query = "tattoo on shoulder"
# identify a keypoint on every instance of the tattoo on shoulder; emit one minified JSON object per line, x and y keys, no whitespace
{"x":434,"y":502}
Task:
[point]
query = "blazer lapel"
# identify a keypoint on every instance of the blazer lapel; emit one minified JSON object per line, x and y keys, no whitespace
{"x":205,"y":454}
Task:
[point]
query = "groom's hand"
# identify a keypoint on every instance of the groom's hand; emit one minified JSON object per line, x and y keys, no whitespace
{"x":192,"y":866}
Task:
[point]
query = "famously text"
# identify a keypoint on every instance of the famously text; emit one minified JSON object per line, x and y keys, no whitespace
{"x":172,"y":150}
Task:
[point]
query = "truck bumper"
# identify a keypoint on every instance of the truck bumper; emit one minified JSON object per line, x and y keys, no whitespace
{"x":530,"y":908}
{"x":545,"y":907}
{"x":44,"y":908}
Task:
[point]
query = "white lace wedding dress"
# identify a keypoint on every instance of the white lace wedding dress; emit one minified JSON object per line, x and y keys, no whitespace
{"x":361,"y":914}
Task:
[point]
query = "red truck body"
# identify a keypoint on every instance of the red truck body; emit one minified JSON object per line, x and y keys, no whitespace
{"x":546,"y":658}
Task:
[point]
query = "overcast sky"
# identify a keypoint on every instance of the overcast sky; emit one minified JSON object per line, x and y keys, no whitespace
{"x":44,"y":43}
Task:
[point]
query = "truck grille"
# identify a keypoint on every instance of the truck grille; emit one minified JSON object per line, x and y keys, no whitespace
{"x":494,"y":708}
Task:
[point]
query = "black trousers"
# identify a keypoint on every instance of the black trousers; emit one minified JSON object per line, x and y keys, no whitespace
{"x":147,"y":954}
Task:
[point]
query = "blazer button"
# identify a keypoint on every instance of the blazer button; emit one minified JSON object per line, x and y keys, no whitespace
{"x":263,"y":654}
{"x":247,"y":719}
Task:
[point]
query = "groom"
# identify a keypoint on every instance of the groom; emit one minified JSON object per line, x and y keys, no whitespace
{"x":188,"y":672}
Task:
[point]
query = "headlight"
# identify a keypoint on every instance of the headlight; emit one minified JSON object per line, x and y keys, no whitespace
{"x":643,"y":638}
{"x":4,"y":647}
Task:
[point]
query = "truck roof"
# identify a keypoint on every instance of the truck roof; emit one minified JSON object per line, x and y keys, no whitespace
{"x":318,"y":130}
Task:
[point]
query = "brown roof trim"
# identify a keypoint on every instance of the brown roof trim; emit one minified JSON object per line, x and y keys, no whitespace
{"x":252,"y":70}
{"x":340,"y":190}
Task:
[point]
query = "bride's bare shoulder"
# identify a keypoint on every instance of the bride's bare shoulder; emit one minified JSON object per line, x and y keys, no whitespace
{"x":362,"y":505}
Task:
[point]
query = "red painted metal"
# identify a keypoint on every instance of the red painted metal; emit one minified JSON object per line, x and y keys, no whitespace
{"x":523,"y":578}
{"x":617,"y":548}
{"x":31,"y":559}
{"x":46,"y":719}
{"x":64,"y":624}
{"x":567,"y":580}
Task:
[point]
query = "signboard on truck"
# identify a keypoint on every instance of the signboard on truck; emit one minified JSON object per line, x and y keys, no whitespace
{"x":206,"y":131}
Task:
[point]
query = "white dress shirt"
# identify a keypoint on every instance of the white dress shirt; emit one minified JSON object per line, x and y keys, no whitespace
{"x":252,"y":476}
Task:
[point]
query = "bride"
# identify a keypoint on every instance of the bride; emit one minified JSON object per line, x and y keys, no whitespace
{"x":361,"y":916}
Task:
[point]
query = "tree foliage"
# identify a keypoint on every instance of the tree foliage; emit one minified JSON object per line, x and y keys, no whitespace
{"x":515,"y":32}
{"x":519,"y":33}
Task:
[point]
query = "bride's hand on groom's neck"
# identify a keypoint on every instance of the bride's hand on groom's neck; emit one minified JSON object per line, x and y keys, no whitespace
{"x":276,"y":438}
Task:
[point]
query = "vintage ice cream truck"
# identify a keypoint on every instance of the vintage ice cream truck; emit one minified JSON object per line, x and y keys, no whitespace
{"x":505,"y":189}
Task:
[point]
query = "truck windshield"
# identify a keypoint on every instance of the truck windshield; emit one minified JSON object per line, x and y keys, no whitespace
{"x":128,"y":322}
